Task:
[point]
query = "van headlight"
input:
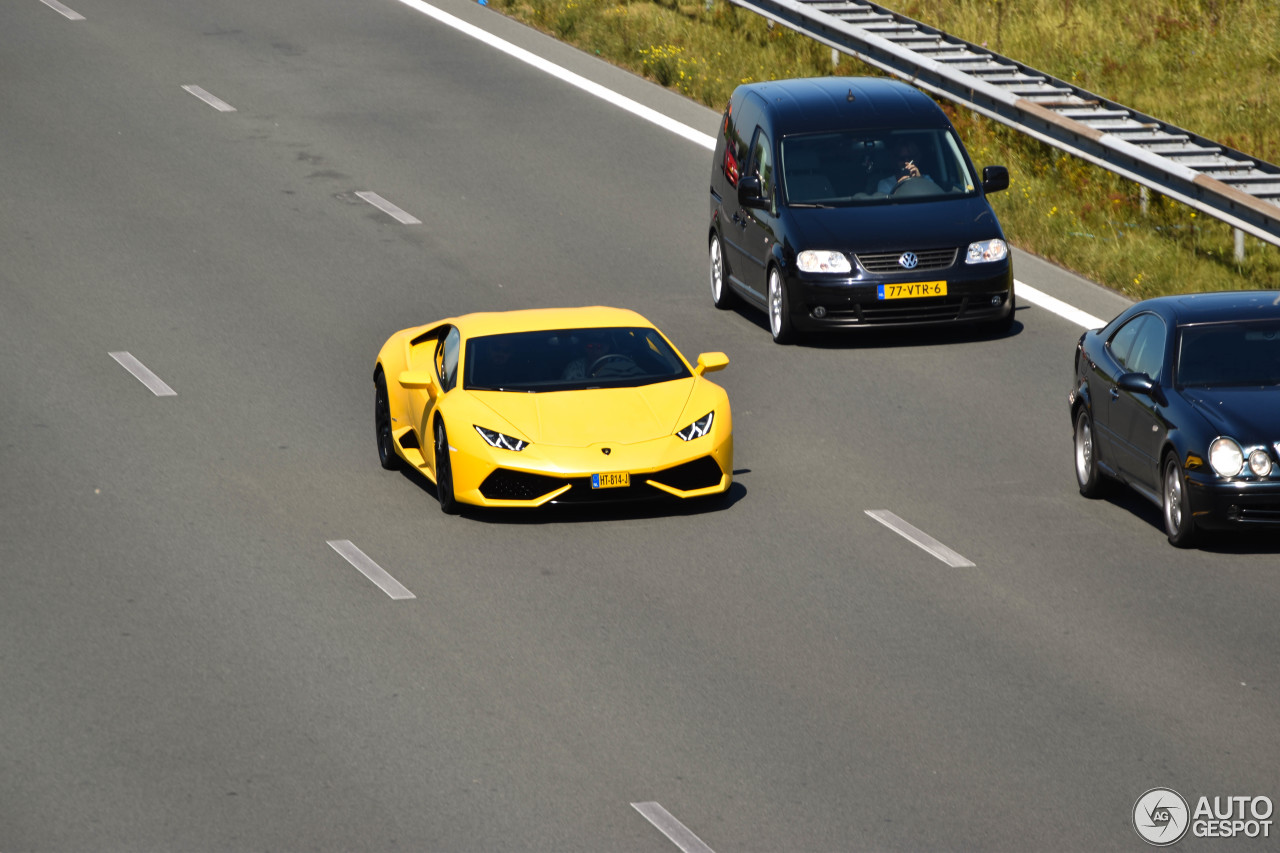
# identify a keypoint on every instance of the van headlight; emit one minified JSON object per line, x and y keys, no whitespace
{"x":821,"y":260}
{"x":987,"y":251}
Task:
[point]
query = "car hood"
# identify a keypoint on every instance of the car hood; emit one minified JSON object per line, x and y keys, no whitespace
{"x":893,"y":227}
{"x":1250,"y":415}
{"x":583,"y":418}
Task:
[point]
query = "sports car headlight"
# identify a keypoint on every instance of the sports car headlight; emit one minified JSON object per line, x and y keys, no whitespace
{"x":698,"y":428}
{"x":1226,"y":457}
{"x":500,"y":441}
{"x":1260,"y":463}
{"x":986,"y":251}
{"x":823,"y":261}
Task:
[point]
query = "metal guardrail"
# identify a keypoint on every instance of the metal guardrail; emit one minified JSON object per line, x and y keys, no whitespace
{"x":1222,"y":182}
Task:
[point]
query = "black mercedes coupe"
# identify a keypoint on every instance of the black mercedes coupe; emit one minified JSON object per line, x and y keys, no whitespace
{"x":1178,"y":397}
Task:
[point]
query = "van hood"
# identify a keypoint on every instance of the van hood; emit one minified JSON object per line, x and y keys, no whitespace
{"x":891,"y":227}
{"x":587,"y":417}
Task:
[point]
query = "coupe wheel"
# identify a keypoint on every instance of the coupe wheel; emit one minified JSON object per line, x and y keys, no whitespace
{"x":779,"y":310}
{"x":721,"y":295}
{"x":444,"y":472}
{"x":1088,"y":478}
{"x":1179,"y":526}
{"x":382,"y":424}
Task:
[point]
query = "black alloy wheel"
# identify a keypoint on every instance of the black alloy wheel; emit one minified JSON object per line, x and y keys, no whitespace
{"x":382,"y":423}
{"x":444,"y":472}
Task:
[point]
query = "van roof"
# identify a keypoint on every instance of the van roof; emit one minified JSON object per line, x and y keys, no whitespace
{"x":814,"y":104}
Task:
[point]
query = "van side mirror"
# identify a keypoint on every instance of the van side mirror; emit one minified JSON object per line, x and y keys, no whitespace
{"x":751,"y":194}
{"x":994,"y":179}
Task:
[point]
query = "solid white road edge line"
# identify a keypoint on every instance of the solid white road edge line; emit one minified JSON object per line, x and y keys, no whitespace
{"x":143,"y":375}
{"x":633,"y":107}
{"x":1024,"y":291}
{"x":370,"y":569}
{"x":217,"y":103}
{"x":672,"y":828}
{"x":69,"y":14}
{"x":1057,"y":306}
{"x":389,"y":208}
{"x":919,"y":538}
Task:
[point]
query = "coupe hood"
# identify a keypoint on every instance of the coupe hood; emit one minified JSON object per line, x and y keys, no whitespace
{"x":1250,"y":415}
{"x":582,"y":418}
{"x":891,"y":227}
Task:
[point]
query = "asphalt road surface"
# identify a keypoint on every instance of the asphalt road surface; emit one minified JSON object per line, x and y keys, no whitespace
{"x":187,"y":663}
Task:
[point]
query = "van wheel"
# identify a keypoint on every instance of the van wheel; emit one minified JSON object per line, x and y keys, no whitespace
{"x":779,"y":310}
{"x":721,"y":295}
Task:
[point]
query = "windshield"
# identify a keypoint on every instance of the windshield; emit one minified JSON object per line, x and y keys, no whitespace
{"x":568,"y":359}
{"x":873,"y":167}
{"x":1219,"y":354}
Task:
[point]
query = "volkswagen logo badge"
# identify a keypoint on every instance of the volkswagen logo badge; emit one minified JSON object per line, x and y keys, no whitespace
{"x":606,"y":451}
{"x":908,"y":260}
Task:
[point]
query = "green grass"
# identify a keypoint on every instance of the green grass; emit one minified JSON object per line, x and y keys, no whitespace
{"x":1210,"y":66}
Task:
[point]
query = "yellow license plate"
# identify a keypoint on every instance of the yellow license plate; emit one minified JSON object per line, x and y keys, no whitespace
{"x":912,"y":290}
{"x":610,"y":481}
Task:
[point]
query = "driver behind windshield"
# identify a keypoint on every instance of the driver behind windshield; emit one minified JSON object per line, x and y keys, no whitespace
{"x":906,"y":156}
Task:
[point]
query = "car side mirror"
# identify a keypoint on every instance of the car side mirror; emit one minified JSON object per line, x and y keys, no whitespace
{"x":1141,"y":383}
{"x":417,"y":380}
{"x":994,"y":179}
{"x":710,"y":362}
{"x":751,"y":193}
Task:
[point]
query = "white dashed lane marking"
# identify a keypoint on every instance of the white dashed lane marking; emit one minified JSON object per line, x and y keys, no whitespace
{"x":672,"y":828}
{"x":370,"y":569}
{"x":388,"y":208}
{"x":919,"y":538}
{"x":69,"y":14}
{"x":143,"y":375}
{"x":217,"y":103}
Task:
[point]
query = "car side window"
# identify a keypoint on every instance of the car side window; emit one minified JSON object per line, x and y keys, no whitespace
{"x":1148,"y":348}
{"x":762,"y":163}
{"x":1121,"y":343}
{"x":1138,"y":346}
{"x":447,"y":358}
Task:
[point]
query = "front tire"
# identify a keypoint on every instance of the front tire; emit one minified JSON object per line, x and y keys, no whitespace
{"x":721,"y":295}
{"x":382,"y":424}
{"x":779,"y":309}
{"x":444,"y":472}
{"x":1088,"y":477}
{"x":1179,"y":526}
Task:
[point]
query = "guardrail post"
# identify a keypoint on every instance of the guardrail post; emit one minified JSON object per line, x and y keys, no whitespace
{"x":1239,"y":246}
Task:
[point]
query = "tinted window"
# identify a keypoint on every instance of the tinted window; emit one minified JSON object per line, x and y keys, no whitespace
{"x":1229,"y":354}
{"x":870,"y":167}
{"x":1147,"y":353}
{"x":1121,"y":343}
{"x":447,"y":359}
{"x":568,"y":359}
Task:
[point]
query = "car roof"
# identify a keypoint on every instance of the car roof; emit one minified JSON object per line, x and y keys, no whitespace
{"x":1219,"y":306}
{"x":815,"y":104}
{"x":536,"y":319}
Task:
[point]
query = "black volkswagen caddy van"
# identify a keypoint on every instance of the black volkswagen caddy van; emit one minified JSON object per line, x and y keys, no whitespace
{"x":850,"y":202}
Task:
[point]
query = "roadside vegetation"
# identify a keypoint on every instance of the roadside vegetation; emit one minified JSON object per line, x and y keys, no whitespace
{"x":1209,"y":66}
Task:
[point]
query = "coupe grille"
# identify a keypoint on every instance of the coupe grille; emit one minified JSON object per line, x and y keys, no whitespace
{"x":888,"y":262}
{"x":507,"y":485}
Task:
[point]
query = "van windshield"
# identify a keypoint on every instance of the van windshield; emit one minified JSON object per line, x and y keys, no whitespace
{"x":873,"y":167}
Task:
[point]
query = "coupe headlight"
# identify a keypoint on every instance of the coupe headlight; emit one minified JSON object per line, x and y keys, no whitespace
{"x":500,"y":441}
{"x":823,"y":261}
{"x":1260,"y":463}
{"x":986,"y":251}
{"x":698,"y":428}
{"x":1226,"y":457}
